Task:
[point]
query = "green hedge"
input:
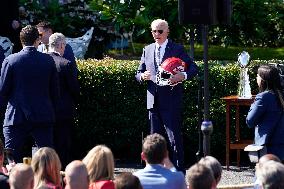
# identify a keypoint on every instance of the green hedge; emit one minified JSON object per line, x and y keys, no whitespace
{"x":112,"y":109}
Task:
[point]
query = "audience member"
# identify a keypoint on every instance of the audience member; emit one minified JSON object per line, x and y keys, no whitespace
{"x":21,"y":177}
{"x":65,"y":105}
{"x":271,"y":175}
{"x":100,"y":165}
{"x":76,"y":176}
{"x":265,"y":158}
{"x":127,"y":181}
{"x":155,"y":175}
{"x":45,"y":29}
{"x":29,"y":82}
{"x":266,"y":113}
{"x":46,"y":166}
{"x":199,"y":176}
{"x":3,"y":177}
{"x":214,"y":165}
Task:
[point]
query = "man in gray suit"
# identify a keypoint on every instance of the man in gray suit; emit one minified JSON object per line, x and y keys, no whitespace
{"x":165,"y":102}
{"x":159,"y":172}
{"x":29,"y":82}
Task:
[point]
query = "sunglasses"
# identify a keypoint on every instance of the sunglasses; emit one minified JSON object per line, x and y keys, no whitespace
{"x":160,"y":31}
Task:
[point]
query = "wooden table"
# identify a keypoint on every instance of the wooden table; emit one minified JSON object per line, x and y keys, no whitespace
{"x":238,"y":144}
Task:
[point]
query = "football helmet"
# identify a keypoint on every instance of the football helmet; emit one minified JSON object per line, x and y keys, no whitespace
{"x":169,"y":68}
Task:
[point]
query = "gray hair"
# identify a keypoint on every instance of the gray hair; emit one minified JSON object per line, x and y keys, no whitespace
{"x":214,"y":165}
{"x":160,"y":22}
{"x":55,"y":40}
{"x":271,"y":175}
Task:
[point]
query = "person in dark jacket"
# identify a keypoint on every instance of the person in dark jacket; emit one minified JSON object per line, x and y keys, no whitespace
{"x":29,"y":82}
{"x":66,"y":104}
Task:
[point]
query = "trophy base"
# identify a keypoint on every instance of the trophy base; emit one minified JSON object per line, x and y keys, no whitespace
{"x":244,"y":97}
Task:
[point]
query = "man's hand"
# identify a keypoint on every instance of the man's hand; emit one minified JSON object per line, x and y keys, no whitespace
{"x":179,"y":76}
{"x":146,"y":75}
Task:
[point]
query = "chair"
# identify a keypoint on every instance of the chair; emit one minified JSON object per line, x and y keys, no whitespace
{"x":7,"y":45}
{"x":80,"y":44}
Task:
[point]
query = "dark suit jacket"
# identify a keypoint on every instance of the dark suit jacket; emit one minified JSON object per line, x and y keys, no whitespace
{"x":69,"y":88}
{"x":166,"y":94}
{"x":29,"y":81}
{"x":265,"y":116}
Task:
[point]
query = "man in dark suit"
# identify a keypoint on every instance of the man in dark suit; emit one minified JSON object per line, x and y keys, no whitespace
{"x":29,"y":82}
{"x":69,"y":94}
{"x":45,"y":30}
{"x":165,"y":102}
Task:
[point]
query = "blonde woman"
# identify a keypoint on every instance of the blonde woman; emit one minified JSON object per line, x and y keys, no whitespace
{"x":100,"y":165}
{"x":46,"y":166}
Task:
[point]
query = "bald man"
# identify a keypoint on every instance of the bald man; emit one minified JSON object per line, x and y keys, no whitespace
{"x":76,"y":176}
{"x":21,"y":177}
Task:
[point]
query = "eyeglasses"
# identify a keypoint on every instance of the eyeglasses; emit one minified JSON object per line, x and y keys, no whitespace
{"x":160,"y":31}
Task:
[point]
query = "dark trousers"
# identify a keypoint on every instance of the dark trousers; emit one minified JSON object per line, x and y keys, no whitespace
{"x":168,"y":124}
{"x":63,"y":140}
{"x":16,"y":135}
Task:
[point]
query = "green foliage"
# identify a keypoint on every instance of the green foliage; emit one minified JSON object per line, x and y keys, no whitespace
{"x":113,"y":111}
{"x":216,"y":52}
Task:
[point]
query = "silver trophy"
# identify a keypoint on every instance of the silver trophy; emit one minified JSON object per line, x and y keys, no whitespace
{"x":244,"y":90}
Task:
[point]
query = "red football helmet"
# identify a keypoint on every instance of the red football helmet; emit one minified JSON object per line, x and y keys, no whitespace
{"x":168,"y":68}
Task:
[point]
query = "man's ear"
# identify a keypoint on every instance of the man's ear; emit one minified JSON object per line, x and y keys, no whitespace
{"x":143,"y":157}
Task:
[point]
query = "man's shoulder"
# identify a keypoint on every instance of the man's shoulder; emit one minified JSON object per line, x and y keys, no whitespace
{"x":149,"y":46}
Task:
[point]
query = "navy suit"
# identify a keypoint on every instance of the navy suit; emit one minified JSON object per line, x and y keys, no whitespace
{"x":65,"y":107}
{"x":266,"y":117}
{"x":29,"y":82}
{"x":165,"y":102}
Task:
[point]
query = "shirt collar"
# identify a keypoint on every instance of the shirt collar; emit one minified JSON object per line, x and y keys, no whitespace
{"x":163,"y":46}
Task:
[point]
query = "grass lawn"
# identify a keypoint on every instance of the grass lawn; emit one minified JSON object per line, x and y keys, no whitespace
{"x":214,"y":52}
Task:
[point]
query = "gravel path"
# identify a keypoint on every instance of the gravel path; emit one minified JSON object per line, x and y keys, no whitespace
{"x":235,"y":175}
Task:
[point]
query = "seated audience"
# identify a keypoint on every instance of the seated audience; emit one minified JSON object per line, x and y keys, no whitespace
{"x":265,"y":158}
{"x":3,"y":172}
{"x":271,"y":175}
{"x":100,"y":165}
{"x":76,"y":176}
{"x":155,"y":174}
{"x":46,"y":166}
{"x":21,"y":177}
{"x":214,"y":165}
{"x":127,"y":181}
{"x":200,"y":176}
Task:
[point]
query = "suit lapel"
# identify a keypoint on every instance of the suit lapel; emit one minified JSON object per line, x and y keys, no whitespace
{"x":167,"y":51}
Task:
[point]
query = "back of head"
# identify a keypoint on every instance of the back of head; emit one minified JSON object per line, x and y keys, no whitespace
{"x":76,"y":175}
{"x":271,"y":175}
{"x":100,"y":163}
{"x":55,"y":40}
{"x":29,"y":35}
{"x":154,"y":148}
{"x":270,"y":78}
{"x":45,"y":25}
{"x":266,"y":158}
{"x":127,"y":181}
{"x":46,"y":166}
{"x":214,"y":165}
{"x":21,"y":177}
{"x":200,"y":176}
